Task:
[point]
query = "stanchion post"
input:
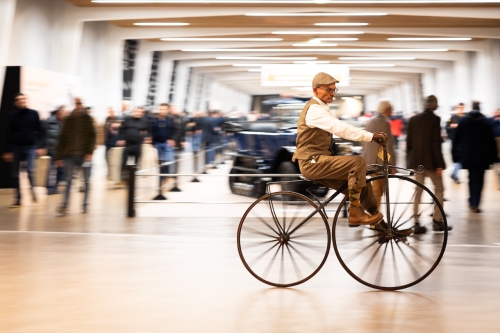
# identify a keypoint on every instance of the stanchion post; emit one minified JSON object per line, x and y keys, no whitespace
{"x":176,"y":167}
{"x":131,"y":190}
{"x":160,"y":195}
{"x":195,"y":166}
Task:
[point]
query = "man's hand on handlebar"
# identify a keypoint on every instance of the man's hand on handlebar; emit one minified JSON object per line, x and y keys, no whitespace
{"x":379,"y":137}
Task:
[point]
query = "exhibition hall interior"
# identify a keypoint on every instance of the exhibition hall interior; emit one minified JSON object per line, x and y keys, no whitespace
{"x":249,"y":166}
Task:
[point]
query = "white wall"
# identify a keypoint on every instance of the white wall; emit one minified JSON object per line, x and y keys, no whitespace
{"x":36,"y":34}
{"x":91,"y":68}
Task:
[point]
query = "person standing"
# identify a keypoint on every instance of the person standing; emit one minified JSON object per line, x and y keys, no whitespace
{"x":24,"y":141}
{"x":74,"y":150}
{"x":423,"y":147}
{"x":495,"y":123}
{"x":379,"y":123}
{"x":134,"y":131}
{"x":52,"y":129}
{"x":451,"y":129}
{"x":397,"y":126}
{"x":162,"y":133}
{"x":475,"y":148}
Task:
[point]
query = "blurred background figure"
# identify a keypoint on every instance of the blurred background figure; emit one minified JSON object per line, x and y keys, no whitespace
{"x":52,"y":130}
{"x":74,"y":150}
{"x":475,"y":148}
{"x":451,"y":129}
{"x":196,"y":131}
{"x":210,"y":137}
{"x":133,"y":132}
{"x":397,"y":125}
{"x":495,"y":123}
{"x":111,"y":127}
{"x":423,"y":147}
{"x":180,"y":123}
{"x":24,"y":141}
{"x":162,"y":133}
{"x":379,"y":123}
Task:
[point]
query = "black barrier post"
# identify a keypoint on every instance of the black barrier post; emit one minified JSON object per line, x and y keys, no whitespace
{"x":195,"y":166}
{"x":176,"y":168}
{"x":131,"y":190}
{"x":160,"y":195}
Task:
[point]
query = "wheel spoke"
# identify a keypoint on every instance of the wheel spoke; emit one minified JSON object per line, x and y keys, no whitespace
{"x":255,"y":260}
{"x":320,"y":249}
{"x":271,"y":262}
{"x":265,"y":222}
{"x":257,"y":232}
{"x":362,"y":250}
{"x":315,"y":232}
{"x":369,"y":262}
{"x":296,"y":268}
{"x":252,"y":245}
{"x":381,"y":267}
{"x":410,"y":264}
{"x":306,"y":259}
{"x":395,"y":264}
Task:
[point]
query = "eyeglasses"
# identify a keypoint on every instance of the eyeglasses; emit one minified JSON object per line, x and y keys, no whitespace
{"x":329,"y":91}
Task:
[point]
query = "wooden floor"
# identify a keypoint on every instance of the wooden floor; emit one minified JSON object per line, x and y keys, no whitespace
{"x":175,"y":268}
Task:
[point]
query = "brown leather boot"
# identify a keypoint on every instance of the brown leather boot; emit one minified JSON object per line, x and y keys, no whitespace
{"x":358,"y":217}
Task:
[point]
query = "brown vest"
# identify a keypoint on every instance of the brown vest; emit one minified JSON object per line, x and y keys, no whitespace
{"x":311,"y":141}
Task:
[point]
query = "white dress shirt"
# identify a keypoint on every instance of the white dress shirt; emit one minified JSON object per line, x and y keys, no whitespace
{"x":320,"y":116}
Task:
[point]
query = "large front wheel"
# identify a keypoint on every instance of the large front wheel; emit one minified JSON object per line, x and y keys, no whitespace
{"x":283,"y":239}
{"x":386,"y":257}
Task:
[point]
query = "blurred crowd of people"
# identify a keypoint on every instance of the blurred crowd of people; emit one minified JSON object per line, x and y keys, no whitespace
{"x":69,"y":138}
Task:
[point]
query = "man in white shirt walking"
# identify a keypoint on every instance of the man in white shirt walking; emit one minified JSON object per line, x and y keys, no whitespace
{"x":315,"y":157}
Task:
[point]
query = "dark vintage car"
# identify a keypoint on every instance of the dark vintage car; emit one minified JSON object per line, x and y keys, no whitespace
{"x":265,"y":147}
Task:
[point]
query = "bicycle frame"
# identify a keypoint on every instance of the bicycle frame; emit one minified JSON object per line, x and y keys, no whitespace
{"x":321,"y":205}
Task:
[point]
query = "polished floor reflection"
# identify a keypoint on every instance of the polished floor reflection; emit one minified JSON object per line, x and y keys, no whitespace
{"x":175,"y":268}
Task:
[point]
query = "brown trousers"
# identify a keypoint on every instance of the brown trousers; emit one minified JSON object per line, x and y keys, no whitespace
{"x":335,"y":171}
{"x":438,"y":191}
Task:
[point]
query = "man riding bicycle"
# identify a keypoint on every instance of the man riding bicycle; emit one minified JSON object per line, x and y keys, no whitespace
{"x":315,"y":154}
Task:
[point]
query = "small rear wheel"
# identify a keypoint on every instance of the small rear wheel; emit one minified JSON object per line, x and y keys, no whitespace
{"x":386,"y":257}
{"x":283,"y":239}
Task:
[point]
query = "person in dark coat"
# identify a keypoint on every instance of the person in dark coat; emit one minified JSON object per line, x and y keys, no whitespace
{"x":495,"y":123}
{"x":474,"y":147}
{"x":162,"y":133}
{"x":52,"y":128}
{"x":75,"y":148}
{"x":24,"y":141}
{"x":451,"y":129}
{"x":133,"y":132}
{"x":210,"y":136}
{"x":423,"y":147}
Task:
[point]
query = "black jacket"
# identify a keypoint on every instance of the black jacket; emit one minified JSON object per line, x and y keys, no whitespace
{"x":24,"y":128}
{"x":423,"y":142}
{"x":474,"y":144}
{"x":52,"y":129}
{"x":134,"y":130}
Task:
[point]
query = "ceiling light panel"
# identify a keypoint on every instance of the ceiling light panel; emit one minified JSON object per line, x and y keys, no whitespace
{"x":318,"y":32}
{"x":314,"y":44}
{"x":419,"y":39}
{"x":221,"y":39}
{"x":376,"y":58}
{"x":335,"y":39}
{"x":266,"y":58}
{"x":315,"y":50}
{"x":160,"y":24}
{"x":327,"y":24}
{"x":315,"y":14}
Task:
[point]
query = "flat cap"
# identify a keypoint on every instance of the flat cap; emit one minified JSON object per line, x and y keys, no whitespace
{"x":323,"y":79}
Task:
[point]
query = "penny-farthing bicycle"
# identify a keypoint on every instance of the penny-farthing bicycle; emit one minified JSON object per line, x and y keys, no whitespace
{"x":284,"y":237}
